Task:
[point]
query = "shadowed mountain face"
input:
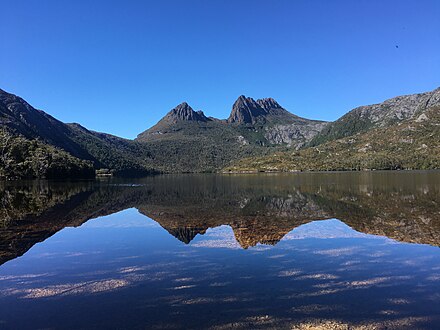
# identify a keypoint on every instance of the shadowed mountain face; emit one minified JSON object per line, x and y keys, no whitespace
{"x":259,"y":209}
{"x":21,"y":126}
{"x":246,"y":111}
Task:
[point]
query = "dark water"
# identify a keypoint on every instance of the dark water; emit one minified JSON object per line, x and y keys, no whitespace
{"x":298,"y":251}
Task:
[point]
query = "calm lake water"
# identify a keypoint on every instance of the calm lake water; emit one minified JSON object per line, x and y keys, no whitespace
{"x":209,"y":251}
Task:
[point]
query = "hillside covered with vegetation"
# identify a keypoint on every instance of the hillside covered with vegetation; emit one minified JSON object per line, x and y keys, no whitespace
{"x":24,"y":158}
{"x":411,"y":144}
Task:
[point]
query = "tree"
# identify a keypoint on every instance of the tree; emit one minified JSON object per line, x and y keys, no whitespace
{"x":5,"y":151}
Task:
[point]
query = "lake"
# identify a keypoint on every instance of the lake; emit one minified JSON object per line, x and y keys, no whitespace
{"x":302,"y":251}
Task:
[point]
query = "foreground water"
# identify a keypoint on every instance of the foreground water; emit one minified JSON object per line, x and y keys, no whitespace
{"x":333,"y":250}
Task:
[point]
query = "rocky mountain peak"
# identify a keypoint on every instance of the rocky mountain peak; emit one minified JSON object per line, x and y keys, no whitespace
{"x":268,"y":104}
{"x":245,"y":102}
{"x":245,"y":111}
{"x":183,"y":112}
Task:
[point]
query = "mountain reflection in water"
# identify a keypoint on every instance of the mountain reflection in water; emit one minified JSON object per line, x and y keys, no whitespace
{"x":259,"y":253}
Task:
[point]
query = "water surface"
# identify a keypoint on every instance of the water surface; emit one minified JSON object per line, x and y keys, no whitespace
{"x":210,"y":251}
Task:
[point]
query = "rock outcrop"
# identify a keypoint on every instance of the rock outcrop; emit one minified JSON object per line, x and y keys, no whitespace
{"x":246,"y":111}
{"x":387,"y":113}
{"x":185,"y":113}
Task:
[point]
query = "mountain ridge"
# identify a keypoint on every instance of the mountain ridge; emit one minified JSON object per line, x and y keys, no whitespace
{"x":263,"y":122}
{"x":411,"y":144}
{"x":185,"y":140}
{"x":386,"y":113}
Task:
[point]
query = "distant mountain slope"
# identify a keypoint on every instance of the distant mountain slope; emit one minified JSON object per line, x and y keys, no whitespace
{"x":385,"y":114}
{"x":413,"y":143}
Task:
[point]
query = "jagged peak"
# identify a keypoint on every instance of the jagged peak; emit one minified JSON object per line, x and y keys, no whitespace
{"x":269,"y":103}
{"x":245,"y":110}
{"x":184,"y":112}
{"x":242,"y":100}
{"x":182,"y":107}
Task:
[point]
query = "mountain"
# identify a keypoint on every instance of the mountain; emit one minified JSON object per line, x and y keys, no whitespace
{"x":275,"y":124}
{"x":174,"y":122}
{"x":22,"y":119}
{"x":24,"y":158}
{"x":26,"y":126}
{"x":257,"y":123}
{"x":258,"y":135}
{"x":400,"y":133}
{"x":246,"y":111}
{"x":188,"y":141}
{"x":183,"y":112}
{"x":388,"y":113}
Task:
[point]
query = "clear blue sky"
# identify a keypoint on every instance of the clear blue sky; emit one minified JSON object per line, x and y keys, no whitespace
{"x":119,"y":66}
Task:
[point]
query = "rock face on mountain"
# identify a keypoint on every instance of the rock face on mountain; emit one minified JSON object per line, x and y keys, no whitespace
{"x":384,"y":114}
{"x":400,"y":133}
{"x":278,"y":126}
{"x":184,"y":112}
{"x":294,"y":135}
{"x":246,"y":111}
{"x":180,"y":115}
{"x":270,"y":105}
